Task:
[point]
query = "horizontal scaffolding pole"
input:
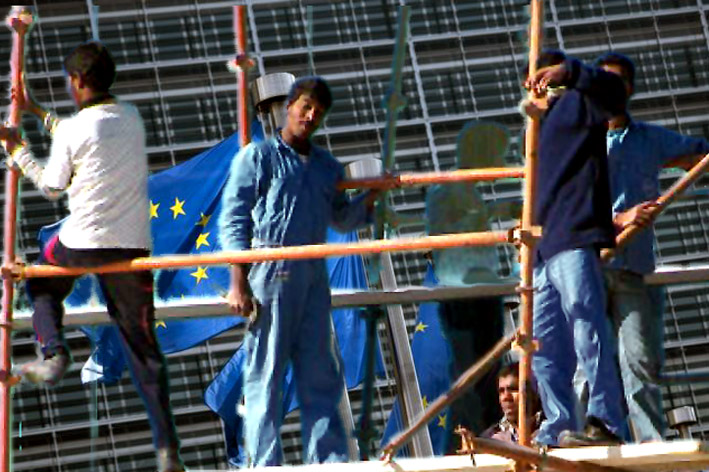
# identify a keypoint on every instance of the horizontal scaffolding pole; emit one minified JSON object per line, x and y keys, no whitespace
{"x":429,"y":178}
{"x":216,"y":306}
{"x":313,"y":251}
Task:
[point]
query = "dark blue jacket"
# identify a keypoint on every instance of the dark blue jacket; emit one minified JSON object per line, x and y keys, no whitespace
{"x":572,"y":202}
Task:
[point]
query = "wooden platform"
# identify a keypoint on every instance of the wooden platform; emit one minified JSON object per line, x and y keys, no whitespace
{"x":683,"y":455}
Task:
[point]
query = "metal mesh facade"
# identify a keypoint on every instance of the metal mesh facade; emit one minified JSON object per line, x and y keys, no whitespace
{"x":463,"y":63}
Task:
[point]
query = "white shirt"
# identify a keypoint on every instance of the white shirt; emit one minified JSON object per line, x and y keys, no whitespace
{"x":98,"y":156}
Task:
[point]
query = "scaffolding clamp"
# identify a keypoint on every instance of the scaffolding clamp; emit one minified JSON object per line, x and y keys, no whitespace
{"x":9,"y":379}
{"x":528,"y":237}
{"x":241,"y":62}
{"x":467,"y":445}
{"x":524,"y":288}
{"x":13,"y":271}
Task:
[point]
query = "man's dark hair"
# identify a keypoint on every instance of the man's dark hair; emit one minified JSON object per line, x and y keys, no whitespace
{"x":612,"y":58}
{"x":314,"y":86}
{"x":94,"y":64}
{"x":547,"y":58}
{"x":509,"y":369}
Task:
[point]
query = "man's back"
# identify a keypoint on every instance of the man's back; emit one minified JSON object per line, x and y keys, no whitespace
{"x":573,"y":202}
{"x":101,"y":152}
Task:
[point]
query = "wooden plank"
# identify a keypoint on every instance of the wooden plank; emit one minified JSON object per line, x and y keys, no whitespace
{"x":482,"y":463}
{"x":684,"y":455}
{"x":657,"y":456}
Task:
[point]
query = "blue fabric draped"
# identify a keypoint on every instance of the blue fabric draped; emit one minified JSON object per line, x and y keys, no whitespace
{"x":431,"y":353}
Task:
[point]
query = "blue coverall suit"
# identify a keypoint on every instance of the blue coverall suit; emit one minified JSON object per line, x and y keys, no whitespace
{"x":276,"y":198}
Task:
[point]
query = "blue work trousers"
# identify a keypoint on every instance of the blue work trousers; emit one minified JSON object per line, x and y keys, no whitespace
{"x":293,"y":325}
{"x":570,"y":324}
{"x":129,"y":300}
{"x":636,"y":311}
{"x":472,"y":327}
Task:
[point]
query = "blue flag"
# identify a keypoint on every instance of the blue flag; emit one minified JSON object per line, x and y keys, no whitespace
{"x":431,"y":353}
{"x":184,"y":207}
{"x":223,"y":394}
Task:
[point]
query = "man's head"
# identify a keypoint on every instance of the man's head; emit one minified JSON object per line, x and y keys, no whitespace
{"x":90,"y":70}
{"x":308,"y":102}
{"x":549,"y":58}
{"x":508,"y":391}
{"x":621,"y":65}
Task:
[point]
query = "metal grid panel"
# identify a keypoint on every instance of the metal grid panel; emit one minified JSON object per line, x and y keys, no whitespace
{"x":467,"y":56}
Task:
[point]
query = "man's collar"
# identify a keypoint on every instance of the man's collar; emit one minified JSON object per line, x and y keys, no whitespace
{"x":98,"y":100}
{"x":283,"y":145}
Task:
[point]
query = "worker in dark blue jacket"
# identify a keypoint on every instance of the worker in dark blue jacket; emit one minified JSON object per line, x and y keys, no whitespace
{"x":573,"y":207}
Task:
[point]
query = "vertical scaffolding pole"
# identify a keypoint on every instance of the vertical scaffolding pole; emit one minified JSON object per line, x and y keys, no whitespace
{"x":242,"y":64}
{"x":19,"y":21}
{"x":527,"y":248}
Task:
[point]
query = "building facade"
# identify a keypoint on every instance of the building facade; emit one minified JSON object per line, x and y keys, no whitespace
{"x":463,"y":63}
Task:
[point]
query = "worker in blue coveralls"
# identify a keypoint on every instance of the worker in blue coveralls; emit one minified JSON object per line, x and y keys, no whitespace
{"x":637,"y":152}
{"x":573,"y":207}
{"x":282,"y":192}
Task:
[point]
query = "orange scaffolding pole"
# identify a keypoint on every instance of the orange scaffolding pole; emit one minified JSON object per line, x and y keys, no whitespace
{"x":428,"y":178}
{"x":527,"y":248}
{"x":20,"y":22}
{"x":313,"y":251}
{"x":243,"y":63}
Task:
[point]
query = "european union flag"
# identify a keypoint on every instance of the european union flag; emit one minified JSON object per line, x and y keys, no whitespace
{"x":224,"y":393}
{"x":431,"y":353}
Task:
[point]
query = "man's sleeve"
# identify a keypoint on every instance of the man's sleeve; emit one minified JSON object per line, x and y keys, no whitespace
{"x":671,"y":145}
{"x":348,"y":215}
{"x":239,"y":199}
{"x":605,"y":89}
{"x":54,"y":178}
{"x":59,"y":170}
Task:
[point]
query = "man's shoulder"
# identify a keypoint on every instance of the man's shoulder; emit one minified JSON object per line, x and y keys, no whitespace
{"x":261,"y":147}
{"x":650,"y":131}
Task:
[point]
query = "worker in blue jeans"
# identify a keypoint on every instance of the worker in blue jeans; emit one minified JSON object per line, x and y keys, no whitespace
{"x":637,"y":152}
{"x":573,"y":208}
{"x":282,"y":192}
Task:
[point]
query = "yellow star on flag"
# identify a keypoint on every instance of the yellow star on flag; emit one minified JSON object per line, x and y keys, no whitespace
{"x":154,"y":209}
{"x":199,"y":274}
{"x":177,"y":208}
{"x":160,"y":323}
{"x":202,"y":240}
{"x":420,"y":327}
{"x":203,"y":219}
{"x":442,"y":421}
{"x":424,"y":401}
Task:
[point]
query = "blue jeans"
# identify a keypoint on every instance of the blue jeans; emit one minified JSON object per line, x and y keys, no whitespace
{"x":570,"y":324}
{"x":636,"y":311}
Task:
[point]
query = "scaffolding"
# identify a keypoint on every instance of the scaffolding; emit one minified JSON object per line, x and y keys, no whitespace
{"x":524,"y":237}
